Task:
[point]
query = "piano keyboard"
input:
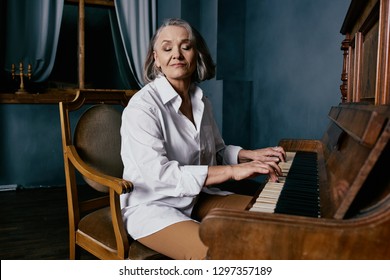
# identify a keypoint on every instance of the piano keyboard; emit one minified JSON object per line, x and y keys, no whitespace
{"x":297,"y":192}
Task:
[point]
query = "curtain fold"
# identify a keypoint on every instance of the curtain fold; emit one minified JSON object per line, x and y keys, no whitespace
{"x":137,"y":23}
{"x":32,"y":32}
{"x":126,"y":74}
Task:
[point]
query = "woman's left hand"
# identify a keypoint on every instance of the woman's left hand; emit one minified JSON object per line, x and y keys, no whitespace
{"x":270,"y":154}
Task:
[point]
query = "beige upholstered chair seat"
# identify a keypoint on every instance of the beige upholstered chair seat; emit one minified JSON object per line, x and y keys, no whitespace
{"x":96,"y":225}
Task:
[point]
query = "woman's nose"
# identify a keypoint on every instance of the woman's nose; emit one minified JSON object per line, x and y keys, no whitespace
{"x":177,"y":53}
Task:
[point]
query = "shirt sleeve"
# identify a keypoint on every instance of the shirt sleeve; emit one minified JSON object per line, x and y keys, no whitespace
{"x":229,"y":154}
{"x":145,"y":158}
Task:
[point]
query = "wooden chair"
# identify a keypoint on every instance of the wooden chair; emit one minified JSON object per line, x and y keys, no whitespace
{"x":92,"y":154}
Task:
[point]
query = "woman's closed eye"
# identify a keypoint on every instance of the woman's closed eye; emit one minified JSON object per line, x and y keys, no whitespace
{"x":186,"y":47}
{"x":167,"y":48}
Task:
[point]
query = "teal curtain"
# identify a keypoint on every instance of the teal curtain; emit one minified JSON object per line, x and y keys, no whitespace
{"x":136,"y":23}
{"x":32,"y":31}
{"x":125,"y":72}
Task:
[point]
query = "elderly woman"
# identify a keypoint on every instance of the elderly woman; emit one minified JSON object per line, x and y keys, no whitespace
{"x":173,"y":152}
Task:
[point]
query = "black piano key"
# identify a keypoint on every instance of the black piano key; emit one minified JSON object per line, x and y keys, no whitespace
{"x":300,"y":194}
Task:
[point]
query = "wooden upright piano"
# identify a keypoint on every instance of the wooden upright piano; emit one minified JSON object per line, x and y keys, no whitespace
{"x":334,"y":201}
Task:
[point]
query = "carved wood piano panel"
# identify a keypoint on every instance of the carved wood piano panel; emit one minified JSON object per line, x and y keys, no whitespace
{"x":366,"y":49}
{"x":348,"y":181}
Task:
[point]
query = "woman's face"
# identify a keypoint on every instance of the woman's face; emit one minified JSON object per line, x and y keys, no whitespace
{"x":175,"y":54}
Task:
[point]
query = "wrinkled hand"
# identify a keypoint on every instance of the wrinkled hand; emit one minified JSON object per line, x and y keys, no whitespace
{"x":254,"y":168}
{"x":252,"y":163}
{"x":270,"y":154}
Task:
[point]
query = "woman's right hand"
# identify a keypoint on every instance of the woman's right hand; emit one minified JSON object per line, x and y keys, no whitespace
{"x":255,"y":168}
{"x":218,"y":174}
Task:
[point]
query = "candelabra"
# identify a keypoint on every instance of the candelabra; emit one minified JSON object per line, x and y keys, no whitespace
{"x":21,"y":75}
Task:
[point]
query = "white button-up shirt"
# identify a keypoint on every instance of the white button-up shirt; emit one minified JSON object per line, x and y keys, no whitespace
{"x":166,"y":156}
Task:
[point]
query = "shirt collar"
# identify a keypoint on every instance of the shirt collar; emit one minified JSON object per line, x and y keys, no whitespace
{"x":168,"y":94}
{"x":165,"y":89}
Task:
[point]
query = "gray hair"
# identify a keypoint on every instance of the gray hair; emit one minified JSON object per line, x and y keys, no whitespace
{"x":205,"y":67}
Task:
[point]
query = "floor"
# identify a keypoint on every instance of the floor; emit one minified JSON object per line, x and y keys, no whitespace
{"x":34,"y":225}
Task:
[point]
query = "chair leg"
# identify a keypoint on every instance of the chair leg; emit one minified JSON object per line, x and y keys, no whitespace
{"x":74,"y":250}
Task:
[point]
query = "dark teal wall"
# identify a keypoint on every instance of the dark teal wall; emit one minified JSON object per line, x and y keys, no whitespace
{"x":278,"y":63}
{"x":30,"y":146}
{"x":293,"y":57}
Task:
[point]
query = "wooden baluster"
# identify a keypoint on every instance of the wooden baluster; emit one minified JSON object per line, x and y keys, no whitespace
{"x":344,"y":74}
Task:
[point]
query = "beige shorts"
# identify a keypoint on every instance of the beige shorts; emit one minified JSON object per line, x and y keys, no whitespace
{"x":181,"y":241}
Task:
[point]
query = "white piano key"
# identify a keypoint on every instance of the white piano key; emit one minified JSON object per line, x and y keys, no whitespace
{"x":266,"y":202}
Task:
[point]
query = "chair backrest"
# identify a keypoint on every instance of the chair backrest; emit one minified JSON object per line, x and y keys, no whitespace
{"x":97,"y":140}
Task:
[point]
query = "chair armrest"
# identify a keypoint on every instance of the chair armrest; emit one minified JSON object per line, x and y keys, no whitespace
{"x":119,"y":185}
